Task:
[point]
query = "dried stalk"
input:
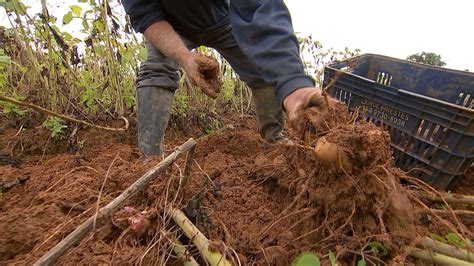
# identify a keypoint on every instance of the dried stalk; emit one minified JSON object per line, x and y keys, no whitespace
{"x":187,"y":166}
{"x":436,"y":258}
{"x":446,"y":249}
{"x":198,"y":238}
{"x":53,"y":254}
{"x":183,"y":254}
{"x":64,"y":117}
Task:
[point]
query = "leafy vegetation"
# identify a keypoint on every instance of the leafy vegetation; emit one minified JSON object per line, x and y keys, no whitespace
{"x":90,"y":73}
{"x":307,"y":259}
{"x":427,"y":58}
{"x":55,"y":125}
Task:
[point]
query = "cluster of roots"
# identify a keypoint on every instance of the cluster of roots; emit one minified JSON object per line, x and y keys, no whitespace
{"x":347,"y":177}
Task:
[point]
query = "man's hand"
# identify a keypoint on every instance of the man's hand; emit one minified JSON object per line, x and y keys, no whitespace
{"x":301,"y":100}
{"x":202,"y":72}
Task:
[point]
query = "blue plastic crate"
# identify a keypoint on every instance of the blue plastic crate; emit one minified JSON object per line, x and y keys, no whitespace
{"x":427,"y":110}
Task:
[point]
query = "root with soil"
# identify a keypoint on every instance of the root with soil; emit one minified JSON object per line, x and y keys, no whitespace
{"x":355,"y":197}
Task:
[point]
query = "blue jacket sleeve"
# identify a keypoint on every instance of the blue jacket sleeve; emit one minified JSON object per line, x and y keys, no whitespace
{"x":264,"y":31}
{"x":142,"y":13}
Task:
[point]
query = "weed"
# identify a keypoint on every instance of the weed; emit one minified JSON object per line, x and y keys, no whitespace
{"x":307,"y":259}
{"x":55,"y":125}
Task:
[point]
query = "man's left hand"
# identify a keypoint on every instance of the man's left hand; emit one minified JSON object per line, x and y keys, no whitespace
{"x":203,"y":72}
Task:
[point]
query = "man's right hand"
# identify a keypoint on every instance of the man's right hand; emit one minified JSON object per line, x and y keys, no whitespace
{"x":202,"y":72}
{"x":299,"y":101}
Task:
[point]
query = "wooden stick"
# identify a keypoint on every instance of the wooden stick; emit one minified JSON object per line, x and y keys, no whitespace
{"x":436,"y":258}
{"x":188,"y":165}
{"x":200,"y":241}
{"x":53,"y":254}
{"x":446,"y":249}
{"x":64,"y":117}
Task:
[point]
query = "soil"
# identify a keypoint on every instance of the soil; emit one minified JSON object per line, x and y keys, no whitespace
{"x":268,"y":203}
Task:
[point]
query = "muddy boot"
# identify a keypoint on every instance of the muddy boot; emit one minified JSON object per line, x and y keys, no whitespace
{"x":270,"y":116}
{"x":154,"y":107}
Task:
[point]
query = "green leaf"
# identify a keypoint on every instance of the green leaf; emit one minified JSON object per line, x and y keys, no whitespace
{"x":438,"y":238}
{"x":377,"y":247}
{"x":142,"y":53}
{"x":19,"y":7}
{"x":76,"y":10}
{"x":82,"y":1}
{"x":67,"y":18}
{"x":361,"y":262}
{"x":85,"y":24}
{"x":67,"y":36}
{"x":455,"y":240}
{"x":5,"y":59}
{"x":307,"y":259}
{"x":55,"y":125}
{"x":332,"y":258}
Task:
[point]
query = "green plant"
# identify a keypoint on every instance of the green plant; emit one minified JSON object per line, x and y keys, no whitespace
{"x":332,"y":258}
{"x":90,"y":73}
{"x":455,"y":240}
{"x":427,"y":58}
{"x":55,"y":125}
{"x":9,"y":108}
{"x":378,"y":248}
{"x":307,"y":259}
{"x":81,"y":143}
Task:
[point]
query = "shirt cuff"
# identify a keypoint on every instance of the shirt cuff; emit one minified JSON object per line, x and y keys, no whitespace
{"x":147,"y":22}
{"x":291,"y":85}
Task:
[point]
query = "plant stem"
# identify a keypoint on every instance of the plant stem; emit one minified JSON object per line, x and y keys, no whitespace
{"x":446,"y":249}
{"x":201,"y":242}
{"x":64,"y":117}
{"x":436,"y":258}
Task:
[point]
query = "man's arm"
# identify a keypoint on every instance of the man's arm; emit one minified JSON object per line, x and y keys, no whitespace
{"x":264,"y":31}
{"x":142,"y":13}
{"x":162,"y":35}
{"x":147,"y":18}
{"x":201,"y":70}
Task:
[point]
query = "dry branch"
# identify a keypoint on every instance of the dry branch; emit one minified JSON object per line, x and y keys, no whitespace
{"x":53,"y":254}
{"x":64,"y":117}
{"x":446,"y":249}
{"x":201,"y":242}
{"x":436,"y":258}
{"x":187,"y":166}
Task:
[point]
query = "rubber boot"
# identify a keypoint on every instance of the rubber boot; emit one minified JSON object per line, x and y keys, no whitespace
{"x":154,"y":108}
{"x":270,"y":116}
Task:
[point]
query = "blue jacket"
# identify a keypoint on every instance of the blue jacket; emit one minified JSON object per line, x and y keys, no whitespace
{"x":262,"y":28}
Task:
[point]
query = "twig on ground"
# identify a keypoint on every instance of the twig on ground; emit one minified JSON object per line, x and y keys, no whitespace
{"x":187,"y":166}
{"x":102,"y":188}
{"x":52,"y":255}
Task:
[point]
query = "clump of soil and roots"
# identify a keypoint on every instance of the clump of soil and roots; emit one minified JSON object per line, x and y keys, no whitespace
{"x":335,"y":189}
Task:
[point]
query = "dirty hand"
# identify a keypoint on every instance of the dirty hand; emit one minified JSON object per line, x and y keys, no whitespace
{"x":203,"y":72}
{"x":301,"y":100}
